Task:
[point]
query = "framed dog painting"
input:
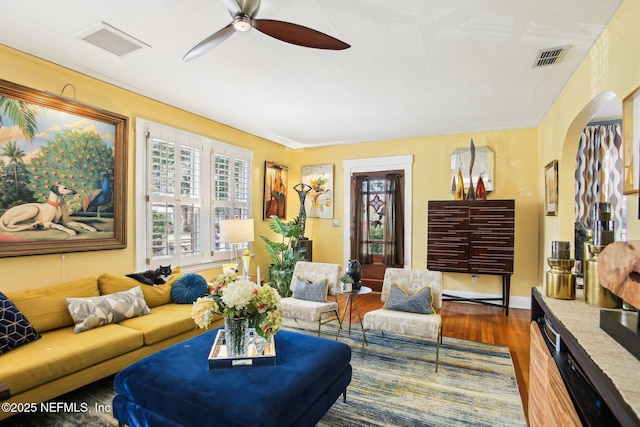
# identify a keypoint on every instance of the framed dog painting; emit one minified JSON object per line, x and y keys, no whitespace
{"x":63,"y":174}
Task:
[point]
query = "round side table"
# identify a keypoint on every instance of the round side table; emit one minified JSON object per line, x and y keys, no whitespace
{"x":352,"y":299}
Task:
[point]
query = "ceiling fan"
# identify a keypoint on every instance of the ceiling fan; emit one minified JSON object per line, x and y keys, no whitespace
{"x":244,"y":12}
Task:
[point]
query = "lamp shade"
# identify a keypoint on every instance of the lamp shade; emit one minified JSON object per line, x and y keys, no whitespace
{"x":236,"y":230}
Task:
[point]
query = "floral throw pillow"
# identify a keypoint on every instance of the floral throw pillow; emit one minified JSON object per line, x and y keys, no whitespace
{"x":90,"y":313}
{"x":421,"y":301}
{"x":15,"y":329}
{"x":311,"y":291}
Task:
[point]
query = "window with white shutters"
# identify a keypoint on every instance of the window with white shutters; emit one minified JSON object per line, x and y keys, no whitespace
{"x":232,"y":171}
{"x":191,"y":183}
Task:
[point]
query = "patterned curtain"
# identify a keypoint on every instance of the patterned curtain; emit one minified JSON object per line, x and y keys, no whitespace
{"x":598,"y":175}
{"x":393,"y":253}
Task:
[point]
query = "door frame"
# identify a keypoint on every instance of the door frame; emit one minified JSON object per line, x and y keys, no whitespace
{"x":375,"y":164}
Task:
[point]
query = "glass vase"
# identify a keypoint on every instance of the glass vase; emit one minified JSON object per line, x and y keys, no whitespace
{"x":481,"y":192}
{"x":460,"y":187}
{"x":236,"y":334}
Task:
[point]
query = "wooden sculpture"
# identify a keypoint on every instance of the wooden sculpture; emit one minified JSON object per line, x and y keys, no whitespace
{"x":619,"y":270}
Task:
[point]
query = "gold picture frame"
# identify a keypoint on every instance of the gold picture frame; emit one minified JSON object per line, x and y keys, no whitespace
{"x":64,"y":174}
{"x":551,"y":188}
{"x":276,"y":177}
{"x":631,"y":142}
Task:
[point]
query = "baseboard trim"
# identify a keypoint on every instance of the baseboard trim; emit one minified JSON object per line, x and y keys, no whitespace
{"x":514,"y":301}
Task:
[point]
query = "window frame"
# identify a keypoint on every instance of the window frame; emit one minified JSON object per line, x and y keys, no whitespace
{"x":208,"y":257}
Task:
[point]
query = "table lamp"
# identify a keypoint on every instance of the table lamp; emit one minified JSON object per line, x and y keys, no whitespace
{"x":236,"y":231}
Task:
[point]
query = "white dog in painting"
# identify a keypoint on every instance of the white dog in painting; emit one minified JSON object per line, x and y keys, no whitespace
{"x":52,"y":214}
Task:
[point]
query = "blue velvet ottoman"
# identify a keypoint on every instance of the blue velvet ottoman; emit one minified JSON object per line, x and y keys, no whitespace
{"x":175,"y":387}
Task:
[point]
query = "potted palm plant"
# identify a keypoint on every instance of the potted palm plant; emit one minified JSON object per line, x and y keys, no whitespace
{"x":284,"y":253}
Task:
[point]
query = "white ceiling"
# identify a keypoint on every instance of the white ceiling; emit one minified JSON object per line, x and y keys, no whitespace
{"x":415,"y":67}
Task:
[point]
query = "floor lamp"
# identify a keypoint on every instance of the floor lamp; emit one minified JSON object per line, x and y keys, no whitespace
{"x":236,"y":231}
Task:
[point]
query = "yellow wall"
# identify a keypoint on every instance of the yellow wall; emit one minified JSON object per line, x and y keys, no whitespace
{"x":612,"y":69}
{"x":613,"y":65}
{"x":40,"y":270}
{"x":515,"y":178}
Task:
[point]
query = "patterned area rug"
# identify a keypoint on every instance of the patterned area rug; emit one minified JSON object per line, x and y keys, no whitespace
{"x":394,"y":384}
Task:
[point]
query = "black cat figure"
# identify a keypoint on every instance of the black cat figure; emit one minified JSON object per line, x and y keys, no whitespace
{"x":153,"y":277}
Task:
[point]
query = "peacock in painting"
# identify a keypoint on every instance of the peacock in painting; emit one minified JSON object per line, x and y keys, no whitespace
{"x":75,"y":158}
{"x":99,"y":199}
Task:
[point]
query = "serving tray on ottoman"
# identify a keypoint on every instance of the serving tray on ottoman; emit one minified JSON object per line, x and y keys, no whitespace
{"x":175,"y":387}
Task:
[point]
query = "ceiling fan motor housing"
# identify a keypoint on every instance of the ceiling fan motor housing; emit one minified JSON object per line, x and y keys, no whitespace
{"x":242,"y":23}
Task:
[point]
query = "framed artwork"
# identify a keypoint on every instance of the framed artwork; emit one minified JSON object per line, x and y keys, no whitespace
{"x":319,"y":200}
{"x":63,"y":174}
{"x":631,"y":142}
{"x":551,"y":188}
{"x":275,"y":190}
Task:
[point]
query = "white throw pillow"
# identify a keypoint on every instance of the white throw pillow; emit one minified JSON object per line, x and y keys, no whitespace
{"x":90,"y":313}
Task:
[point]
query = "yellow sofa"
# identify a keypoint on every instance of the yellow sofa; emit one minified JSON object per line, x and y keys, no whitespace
{"x":61,"y":360}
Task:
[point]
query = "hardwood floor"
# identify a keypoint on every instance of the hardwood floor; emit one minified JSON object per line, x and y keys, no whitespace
{"x":480,"y":323}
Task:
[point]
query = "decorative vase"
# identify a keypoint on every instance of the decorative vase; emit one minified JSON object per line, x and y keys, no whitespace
{"x":236,"y":334}
{"x":354,"y":269}
{"x":246,"y":261}
{"x":471,"y":192}
{"x":460,"y":187}
{"x":481,"y":192}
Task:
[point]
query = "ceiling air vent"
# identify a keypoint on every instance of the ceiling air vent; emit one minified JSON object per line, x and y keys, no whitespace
{"x":550,"y":56}
{"x":111,"y":39}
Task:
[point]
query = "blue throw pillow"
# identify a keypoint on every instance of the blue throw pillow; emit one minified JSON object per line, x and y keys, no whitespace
{"x":15,"y":329}
{"x":188,"y":288}
{"x":420,"y":302}
{"x":316,"y":291}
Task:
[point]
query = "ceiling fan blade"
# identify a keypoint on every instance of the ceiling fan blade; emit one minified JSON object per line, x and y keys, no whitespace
{"x":298,"y":35}
{"x":233,"y":6}
{"x":249,"y":7}
{"x":210,"y":42}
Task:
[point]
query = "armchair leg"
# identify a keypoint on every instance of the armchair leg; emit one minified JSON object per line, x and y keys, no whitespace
{"x":364,"y":342}
{"x":320,"y":322}
{"x":339,"y":324}
{"x":438,"y":342}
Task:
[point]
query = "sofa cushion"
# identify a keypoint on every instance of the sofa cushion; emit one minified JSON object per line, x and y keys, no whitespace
{"x":46,"y":308}
{"x":311,"y":291}
{"x":188,"y":288}
{"x":15,"y":329}
{"x":421,"y":301}
{"x":154,"y":295}
{"x":166,"y":321}
{"x":61,"y":352}
{"x":90,"y":313}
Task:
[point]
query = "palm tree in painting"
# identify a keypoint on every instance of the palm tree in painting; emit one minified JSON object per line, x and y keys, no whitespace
{"x":15,"y":156}
{"x":23,"y":114}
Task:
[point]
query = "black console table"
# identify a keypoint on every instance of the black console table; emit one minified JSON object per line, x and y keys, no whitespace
{"x":476,"y":237}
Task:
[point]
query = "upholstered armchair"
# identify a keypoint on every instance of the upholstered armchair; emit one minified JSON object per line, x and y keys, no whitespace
{"x":312,"y":284}
{"x":412,"y":299}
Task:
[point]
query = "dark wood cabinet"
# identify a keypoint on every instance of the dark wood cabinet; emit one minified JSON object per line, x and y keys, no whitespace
{"x":473,"y":236}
